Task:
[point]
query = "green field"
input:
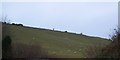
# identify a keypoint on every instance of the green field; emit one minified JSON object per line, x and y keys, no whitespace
{"x":36,"y":42}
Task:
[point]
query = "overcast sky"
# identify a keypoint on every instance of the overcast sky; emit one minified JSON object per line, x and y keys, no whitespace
{"x":60,"y":0}
{"x":90,"y":18}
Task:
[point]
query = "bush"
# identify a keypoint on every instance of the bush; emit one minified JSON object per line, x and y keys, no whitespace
{"x":20,"y":24}
{"x":4,"y":22}
{"x":112,"y":50}
{"x":6,"y":47}
{"x":66,"y":31}
{"x":17,"y":24}
{"x":13,"y":24}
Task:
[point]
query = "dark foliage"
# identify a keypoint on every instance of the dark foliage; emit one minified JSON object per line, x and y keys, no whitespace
{"x":4,"y":22}
{"x":6,"y":47}
{"x":110,"y":51}
{"x":66,"y":31}
{"x":113,"y":49}
{"x":17,"y":24}
{"x":13,"y":24}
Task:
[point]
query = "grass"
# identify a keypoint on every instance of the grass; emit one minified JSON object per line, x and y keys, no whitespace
{"x":51,"y":43}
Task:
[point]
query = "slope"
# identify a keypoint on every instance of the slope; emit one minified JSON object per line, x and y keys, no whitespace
{"x":37,"y":42}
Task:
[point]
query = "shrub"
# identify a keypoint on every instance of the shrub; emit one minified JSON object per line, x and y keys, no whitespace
{"x":20,"y":24}
{"x":17,"y":24}
{"x":4,"y":22}
{"x":110,"y":51}
{"x":66,"y":31}
{"x":13,"y":24}
{"x":6,"y":47}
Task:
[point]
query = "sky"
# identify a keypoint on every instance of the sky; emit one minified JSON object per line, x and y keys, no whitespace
{"x":90,"y":18}
{"x":59,"y":0}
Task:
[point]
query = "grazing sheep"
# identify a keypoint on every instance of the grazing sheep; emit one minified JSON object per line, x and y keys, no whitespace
{"x":75,"y":52}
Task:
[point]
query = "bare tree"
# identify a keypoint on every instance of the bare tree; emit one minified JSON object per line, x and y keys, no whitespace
{"x":5,"y":20}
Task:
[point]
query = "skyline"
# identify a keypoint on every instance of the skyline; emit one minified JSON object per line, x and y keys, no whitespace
{"x":72,"y":17}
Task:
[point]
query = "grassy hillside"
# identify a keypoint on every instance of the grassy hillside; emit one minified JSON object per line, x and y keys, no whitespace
{"x":33,"y":42}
